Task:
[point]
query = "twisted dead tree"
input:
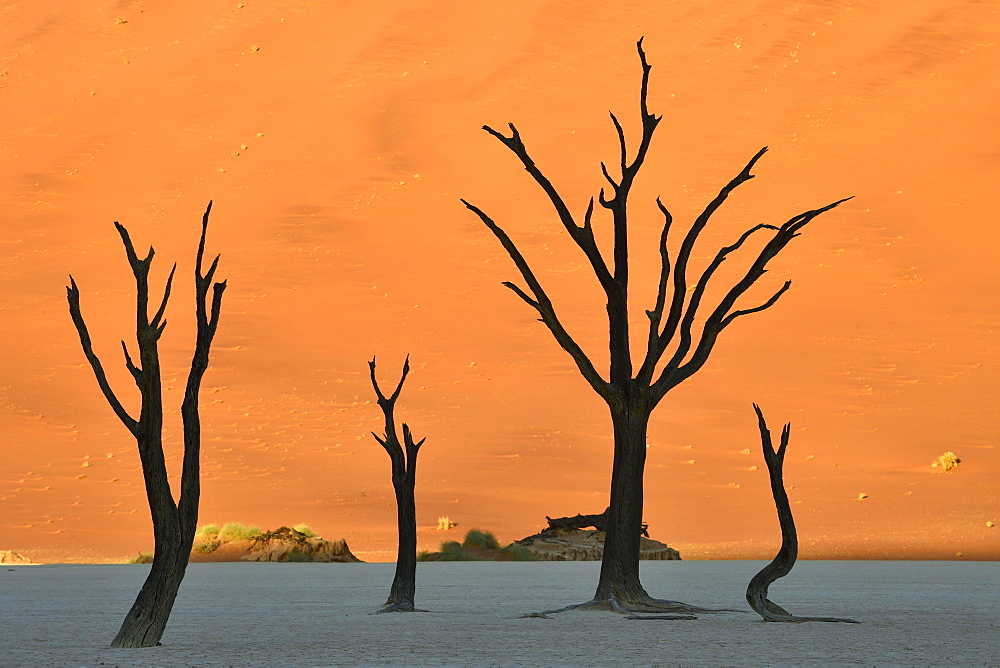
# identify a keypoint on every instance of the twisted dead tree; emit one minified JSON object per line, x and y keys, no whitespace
{"x":404,"y":479}
{"x":632,"y":393}
{"x":599,"y":522}
{"x":782,"y":563}
{"x":173,"y":523}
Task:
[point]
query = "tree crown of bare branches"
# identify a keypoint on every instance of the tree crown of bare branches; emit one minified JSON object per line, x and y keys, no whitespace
{"x":672,"y":318}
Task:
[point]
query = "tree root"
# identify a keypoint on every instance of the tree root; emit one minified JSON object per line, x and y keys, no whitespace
{"x":659,"y":609}
{"x":401,"y":606}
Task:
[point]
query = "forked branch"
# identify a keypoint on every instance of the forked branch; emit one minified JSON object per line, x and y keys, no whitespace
{"x":540,"y":301}
{"x":398,"y":452}
{"x":677,"y":369}
{"x":207,"y":320}
{"x":583,"y":235}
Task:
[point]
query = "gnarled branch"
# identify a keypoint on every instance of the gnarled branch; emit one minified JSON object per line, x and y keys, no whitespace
{"x":782,"y":563}
{"x":543,"y":305}
{"x":73,"y":297}
{"x":583,"y":235}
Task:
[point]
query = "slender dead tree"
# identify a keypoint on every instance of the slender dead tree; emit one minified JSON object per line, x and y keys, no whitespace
{"x":632,"y":393}
{"x":404,"y":480}
{"x":782,"y":563}
{"x":173,"y":523}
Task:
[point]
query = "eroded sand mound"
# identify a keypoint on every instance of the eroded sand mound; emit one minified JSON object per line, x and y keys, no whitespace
{"x":282,"y":544}
{"x":560,"y":544}
{"x":287,"y":544}
{"x":8,"y":557}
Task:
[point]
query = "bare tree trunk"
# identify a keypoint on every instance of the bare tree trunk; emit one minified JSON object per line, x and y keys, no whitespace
{"x":782,"y":563}
{"x":147,"y":619}
{"x":404,"y":479}
{"x":620,"y":564}
{"x":404,"y":582}
{"x":173,"y":523}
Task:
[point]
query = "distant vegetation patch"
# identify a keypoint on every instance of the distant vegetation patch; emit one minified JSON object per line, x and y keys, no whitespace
{"x":306,"y":530}
{"x":141,"y":558}
{"x":477,"y":539}
{"x":208,"y":530}
{"x":479,"y":545}
{"x":207,"y":547}
{"x":237,"y":531}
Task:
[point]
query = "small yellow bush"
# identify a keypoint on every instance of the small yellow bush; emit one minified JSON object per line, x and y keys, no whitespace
{"x":947,"y":461}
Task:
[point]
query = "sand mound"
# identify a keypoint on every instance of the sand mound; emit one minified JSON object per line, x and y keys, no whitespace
{"x":282,"y":544}
{"x":8,"y":557}
{"x":559,"y":544}
{"x":286,"y":544}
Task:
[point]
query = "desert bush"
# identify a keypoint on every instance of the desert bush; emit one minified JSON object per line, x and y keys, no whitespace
{"x":237,"y":531}
{"x":141,"y":558}
{"x":306,"y":530}
{"x":518,"y":553}
{"x":452,"y":551}
{"x":425,"y":555}
{"x":444,"y":523}
{"x":207,"y":547}
{"x":477,"y":539}
{"x":207,"y":530}
{"x":947,"y":461}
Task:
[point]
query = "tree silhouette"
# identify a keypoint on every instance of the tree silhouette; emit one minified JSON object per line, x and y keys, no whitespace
{"x":404,"y":480}
{"x":782,"y":563}
{"x":173,"y":523}
{"x":632,"y":393}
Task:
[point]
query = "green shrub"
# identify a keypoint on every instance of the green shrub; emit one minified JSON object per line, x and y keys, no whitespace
{"x":207,"y":547}
{"x":237,"y":531}
{"x":452,"y":551}
{"x":518,"y":553}
{"x":306,"y":529}
{"x":477,"y":539}
{"x":207,"y":530}
{"x":141,"y":558}
{"x":425,"y":555}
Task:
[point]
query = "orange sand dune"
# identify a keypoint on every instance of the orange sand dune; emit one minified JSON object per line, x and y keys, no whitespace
{"x":336,"y":139}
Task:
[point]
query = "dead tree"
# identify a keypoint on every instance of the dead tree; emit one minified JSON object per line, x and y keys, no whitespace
{"x":599,"y":522}
{"x":782,"y":563}
{"x":632,"y":393}
{"x":404,"y":480}
{"x":173,"y":523}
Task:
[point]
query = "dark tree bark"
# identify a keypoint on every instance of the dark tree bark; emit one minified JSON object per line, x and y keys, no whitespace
{"x":632,"y":393}
{"x":599,"y":522}
{"x":782,"y":563}
{"x":404,"y":479}
{"x":173,"y":523}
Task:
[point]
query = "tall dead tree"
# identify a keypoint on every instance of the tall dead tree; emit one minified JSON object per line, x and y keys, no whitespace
{"x":173,"y":522}
{"x":632,"y":393}
{"x":782,"y":563}
{"x":404,"y":480}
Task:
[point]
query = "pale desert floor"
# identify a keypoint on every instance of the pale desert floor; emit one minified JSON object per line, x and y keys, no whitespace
{"x":911,"y":613}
